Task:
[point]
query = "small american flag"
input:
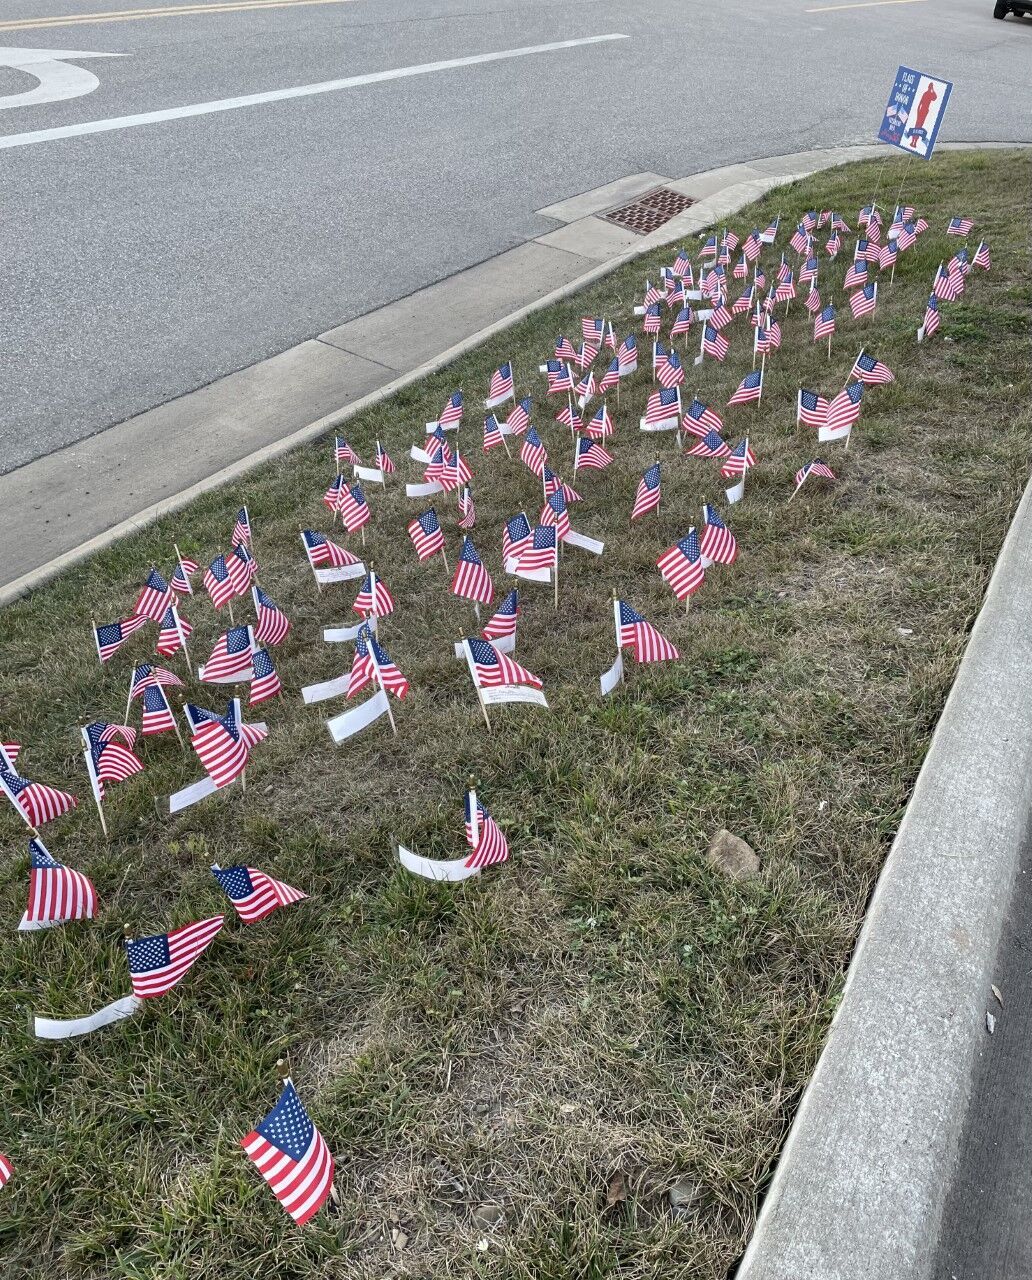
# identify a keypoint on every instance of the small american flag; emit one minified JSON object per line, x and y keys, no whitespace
{"x":564,"y":349}
{"x":982,"y":257}
{"x":452,"y":411}
{"x":647,"y":497}
{"x":519,"y":417}
{"x":554,"y":512}
{"x":553,"y":484}
{"x":154,"y":598}
{"x":809,"y":222}
{"x":799,"y":239}
{"x":501,"y":385}
{"x":158,"y":962}
{"x":808,"y":271}
{"x":145,"y":675}
{"x":721,"y":317}
{"x":682,"y":566}
{"x":35,"y":801}
{"x":960,"y":227}
{"x":812,"y":301}
{"x":471,"y":581}
{"x":157,"y":714}
{"x":592,"y":330}
{"x":292,"y":1156}
{"x":856,"y":276}
{"x":265,"y":681}
{"x":653,"y":318}
{"x":370,"y":658}
{"x":111,"y":636}
{"x":709,"y":446}
{"x":492,"y":433}
{"x":383,"y":460}
{"x":467,"y":509}
{"x":484,"y":837}
{"x":741,"y":268}
{"x":811,"y":408}
{"x":332,"y":496}
{"x":516,"y":536}
{"x":738,"y":461}
{"x":503,"y":623}
{"x":591,"y":456}
{"x":931,"y":318}
{"x":180,"y":580}
{"x":699,"y":419}
{"x":273,"y":623}
{"x":718,"y":542}
{"x":744,"y":302}
{"x":753,"y":246}
{"x":682,"y":265}
{"x":770,"y":234}
{"x":56,"y":892}
{"x":844,"y":410}
{"x":533,"y":453}
{"x":322,"y":552}
{"x":601,"y":425}
{"x":540,"y":552}
{"x":494,"y":668}
{"x":663,"y":406}
{"x":6,"y":1170}
{"x":230,"y":658}
{"x":560,"y":376}
{"x":456,"y":473}
{"x":683,"y":322}
{"x":709,"y":248}
{"x":373,"y":598}
{"x":652,"y":294}
{"x":343,"y":452}
{"x":611,"y":377}
{"x":217,"y":582}
{"x":872,"y":371}
{"x":585,"y":389}
{"x":824,"y":324}
{"x":834,"y":245}
{"x":221,"y":743}
{"x":173,"y":629}
{"x":112,"y":759}
{"x":669,"y":370}
{"x":785,"y":289}
{"x":863,"y":302}
{"x":628,"y":355}
{"x":815,"y":468}
{"x":354,"y":510}
{"x":749,"y":389}
{"x":437,"y":467}
{"x":568,"y":418}
{"x":714,"y":343}
{"x":254,"y":894}
{"x":241,"y":536}
{"x":641,"y":637}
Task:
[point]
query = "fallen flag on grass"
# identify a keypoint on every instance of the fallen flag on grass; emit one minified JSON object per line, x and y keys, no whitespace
{"x":816,"y":468}
{"x":158,"y":962}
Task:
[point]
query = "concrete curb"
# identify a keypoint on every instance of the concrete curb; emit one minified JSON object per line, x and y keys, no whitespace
{"x":862,"y":1183}
{"x":718,"y":193}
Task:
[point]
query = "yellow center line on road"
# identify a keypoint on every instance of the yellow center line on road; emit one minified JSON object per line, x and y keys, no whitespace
{"x":862,"y":4}
{"x":165,"y":11}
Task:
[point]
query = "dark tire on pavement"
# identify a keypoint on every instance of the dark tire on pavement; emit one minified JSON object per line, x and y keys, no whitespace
{"x":1001,"y":9}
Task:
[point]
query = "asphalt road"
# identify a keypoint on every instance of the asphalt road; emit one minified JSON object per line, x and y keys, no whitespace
{"x":146,"y":261}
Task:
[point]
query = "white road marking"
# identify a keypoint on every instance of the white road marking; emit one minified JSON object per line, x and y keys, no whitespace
{"x":282,"y":95}
{"x":58,"y":78}
{"x":863,"y":4}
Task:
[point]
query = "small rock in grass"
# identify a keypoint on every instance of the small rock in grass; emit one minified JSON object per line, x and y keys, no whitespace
{"x":684,"y":1196}
{"x":733,"y":856}
{"x":488,"y":1216}
{"x":990,"y":1023}
{"x":399,"y":1238}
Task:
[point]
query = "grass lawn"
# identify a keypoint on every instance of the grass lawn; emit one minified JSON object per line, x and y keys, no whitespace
{"x":606,"y":1017}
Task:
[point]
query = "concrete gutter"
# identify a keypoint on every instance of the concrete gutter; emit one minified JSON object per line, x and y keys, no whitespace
{"x":862,"y":1183}
{"x":88,"y":495}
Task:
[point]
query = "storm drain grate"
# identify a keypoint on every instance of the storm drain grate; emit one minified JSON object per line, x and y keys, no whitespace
{"x":649,"y":211}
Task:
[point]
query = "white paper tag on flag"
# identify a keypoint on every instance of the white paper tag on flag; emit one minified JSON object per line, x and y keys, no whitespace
{"x":423,"y":490}
{"x":453,"y":870}
{"x":373,"y":474}
{"x":575,"y":539}
{"x":502,"y":693}
{"x":342,"y":635}
{"x":191,"y":794}
{"x":824,"y":434}
{"x":611,"y":678}
{"x":65,"y":1028}
{"x":342,"y":573}
{"x":351,"y":722}
{"x":737,"y":491}
{"x":327,"y":689}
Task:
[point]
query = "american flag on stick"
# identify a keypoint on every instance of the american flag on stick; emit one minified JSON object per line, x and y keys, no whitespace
{"x":644,"y":641}
{"x":591,"y":455}
{"x":222,"y":743}
{"x":471,"y":581}
{"x":292,"y":1156}
{"x":816,"y":468}
{"x":36,"y":802}
{"x":110,"y":637}
{"x":158,"y":962}
{"x":494,"y":668}
{"x":241,"y":536}
{"x":344,"y":454}
{"x":647,"y":497}
{"x":872,"y":371}
{"x":372,"y":664}
{"x":601,"y":425}
{"x":501,"y":387}
{"x":718,"y":544}
{"x":682,"y":568}
{"x":483,"y":835}
{"x":57,"y":894}
{"x":254,"y":894}
{"x":931,"y":319}
{"x":108,"y":754}
{"x":230,"y":659}
{"x":519,"y":417}
{"x":265,"y":681}
{"x":174,"y":630}
{"x":180,"y":580}
{"x":154,"y":598}
{"x":750,"y":389}
{"x":502,"y":624}
{"x":960,"y":227}
{"x":373,"y":598}
{"x":273,"y":624}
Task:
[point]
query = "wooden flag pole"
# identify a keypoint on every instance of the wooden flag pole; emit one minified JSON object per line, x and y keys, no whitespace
{"x":444,"y":557}
{"x":128,"y":701}
{"x":379,"y":680}
{"x":473,"y":677}
{"x":556,"y":592}
{"x":569,"y":405}
{"x":476,"y":610}
{"x":232,"y":620}
{"x":175,"y":722}
{"x":182,"y":638}
{"x":94,"y":780}
{"x":182,"y":572}
{"x":616,"y":626}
